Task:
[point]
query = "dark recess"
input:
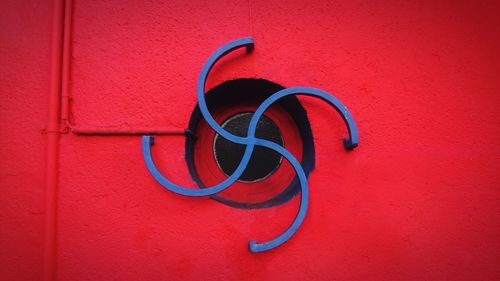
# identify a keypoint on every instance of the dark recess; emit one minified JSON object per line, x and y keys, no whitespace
{"x":263,"y":162}
{"x":252,"y":91}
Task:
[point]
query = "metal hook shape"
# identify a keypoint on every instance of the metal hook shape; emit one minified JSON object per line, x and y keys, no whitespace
{"x":250,"y":141}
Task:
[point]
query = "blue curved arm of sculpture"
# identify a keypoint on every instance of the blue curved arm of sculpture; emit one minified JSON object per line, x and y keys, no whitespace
{"x":353,"y":132}
{"x":202,"y":79}
{"x":349,"y":144}
{"x":304,"y":201}
{"x":148,"y":141}
{"x":250,"y":141}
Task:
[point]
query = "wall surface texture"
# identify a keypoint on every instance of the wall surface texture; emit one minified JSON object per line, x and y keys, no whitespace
{"x":419,"y":199}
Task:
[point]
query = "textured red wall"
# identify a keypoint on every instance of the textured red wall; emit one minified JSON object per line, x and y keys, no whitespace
{"x":24,"y":81}
{"x":418,"y":200}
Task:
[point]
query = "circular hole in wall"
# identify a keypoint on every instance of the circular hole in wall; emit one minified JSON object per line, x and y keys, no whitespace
{"x":268,"y":179}
{"x":263,"y":162}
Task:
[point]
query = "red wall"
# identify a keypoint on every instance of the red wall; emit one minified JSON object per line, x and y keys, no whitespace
{"x":418,"y":200}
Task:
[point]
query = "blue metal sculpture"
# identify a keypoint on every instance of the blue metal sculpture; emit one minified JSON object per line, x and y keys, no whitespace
{"x":250,"y":141}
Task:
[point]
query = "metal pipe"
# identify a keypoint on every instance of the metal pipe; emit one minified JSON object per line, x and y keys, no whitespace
{"x":66,"y":97}
{"x":124,"y":131}
{"x":58,"y":111}
{"x":66,"y":63}
{"x":53,"y":131}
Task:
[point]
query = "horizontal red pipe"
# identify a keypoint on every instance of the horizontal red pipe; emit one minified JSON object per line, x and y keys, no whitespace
{"x":92,"y":131}
{"x":65,"y":95}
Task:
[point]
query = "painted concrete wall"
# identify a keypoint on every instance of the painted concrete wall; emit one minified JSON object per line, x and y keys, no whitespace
{"x":418,"y":200}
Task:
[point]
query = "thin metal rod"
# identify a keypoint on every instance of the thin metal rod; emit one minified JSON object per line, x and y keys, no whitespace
{"x":66,"y":97}
{"x":50,"y":225}
{"x":66,"y":63}
{"x":125,"y":131}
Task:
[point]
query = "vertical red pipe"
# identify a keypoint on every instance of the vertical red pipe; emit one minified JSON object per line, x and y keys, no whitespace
{"x":50,"y":237}
{"x":66,"y":63}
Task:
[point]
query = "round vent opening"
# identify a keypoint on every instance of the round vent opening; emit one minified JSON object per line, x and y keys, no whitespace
{"x":268,"y":179}
{"x":263,"y":163}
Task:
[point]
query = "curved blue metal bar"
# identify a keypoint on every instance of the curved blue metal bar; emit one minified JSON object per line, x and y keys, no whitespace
{"x":256,"y":247}
{"x":352,"y":142}
{"x":349,"y":144}
{"x":148,"y":141}
{"x":202,"y":79}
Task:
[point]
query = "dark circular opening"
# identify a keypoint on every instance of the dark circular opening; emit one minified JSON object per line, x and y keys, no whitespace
{"x":263,"y":163}
{"x":239,"y":93}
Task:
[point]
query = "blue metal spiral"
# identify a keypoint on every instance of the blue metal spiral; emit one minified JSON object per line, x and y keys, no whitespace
{"x":250,"y":141}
